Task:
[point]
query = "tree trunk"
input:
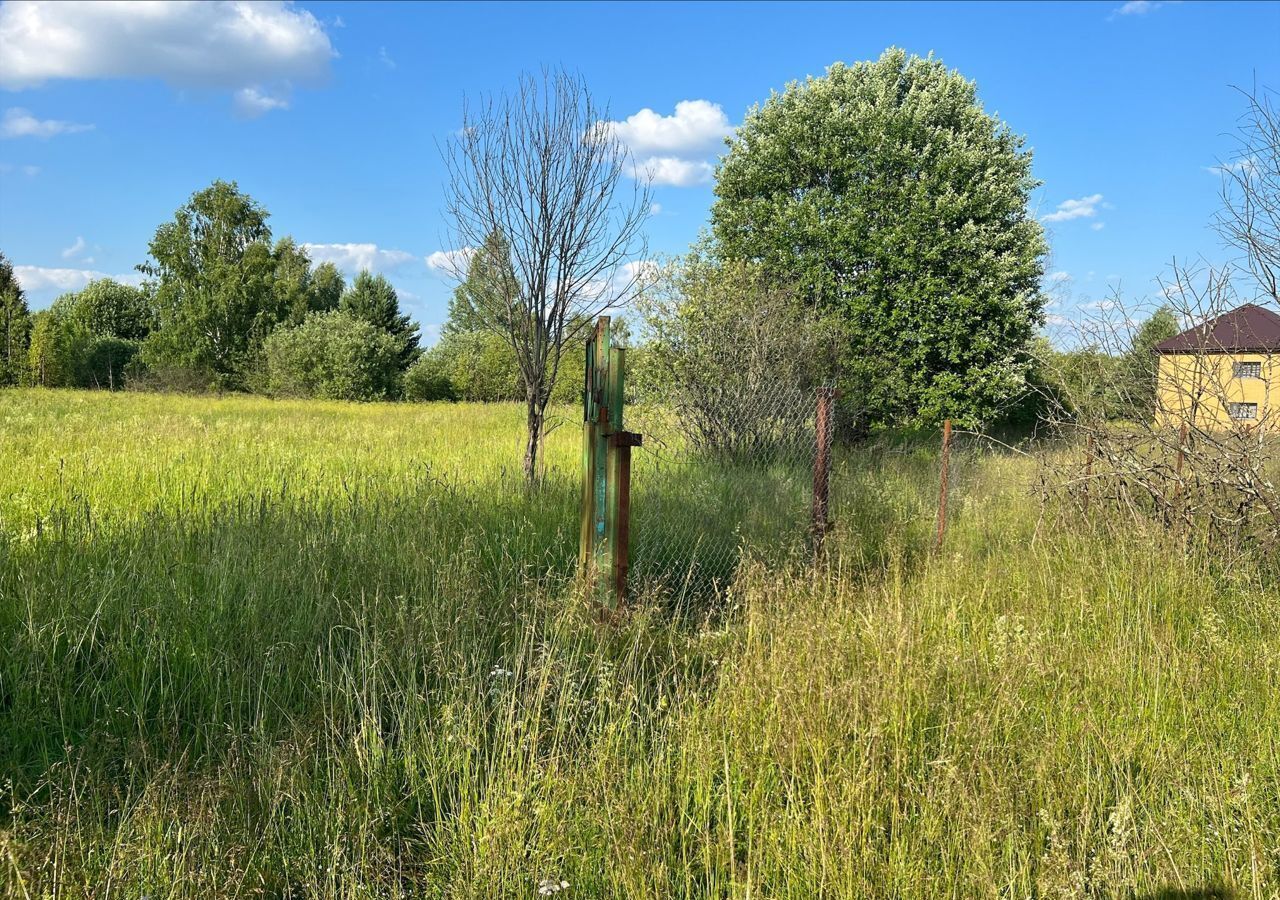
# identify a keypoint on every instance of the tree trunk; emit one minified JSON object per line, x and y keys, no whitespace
{"x":535,"y":420}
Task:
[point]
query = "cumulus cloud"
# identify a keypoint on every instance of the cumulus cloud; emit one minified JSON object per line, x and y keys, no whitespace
{"x":231,"y":45}
{"x":1083,"y":208}
{"x":451,"y":263}
{"x":698,"y":126}
{"x":39,"y":278}
{"x":354,"y":257}
{"x":673,"y":171}
{"x":673,"y":150}
{"x":18,"y":122}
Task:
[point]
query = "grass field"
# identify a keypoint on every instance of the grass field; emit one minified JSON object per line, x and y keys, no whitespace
{"x":255,"y":648}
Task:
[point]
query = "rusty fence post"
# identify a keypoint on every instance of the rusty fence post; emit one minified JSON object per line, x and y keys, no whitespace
{"x":620,"y":444}
{"x":824,"y":422}
{"x":942,"y":492}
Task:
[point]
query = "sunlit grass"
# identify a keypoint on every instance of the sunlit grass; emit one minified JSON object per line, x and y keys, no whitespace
{"x":251,"y":648}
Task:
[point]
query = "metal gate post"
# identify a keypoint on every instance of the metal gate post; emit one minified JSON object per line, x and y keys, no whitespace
{"x":603,"y":553}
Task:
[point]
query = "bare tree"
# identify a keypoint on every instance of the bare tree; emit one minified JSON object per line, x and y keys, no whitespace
{"x":542,"y":169}
{"x":1181,"y":465}
{"x":1249,"y":220}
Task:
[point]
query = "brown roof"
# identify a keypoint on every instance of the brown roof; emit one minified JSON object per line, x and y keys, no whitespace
{"x":1249,"y":329}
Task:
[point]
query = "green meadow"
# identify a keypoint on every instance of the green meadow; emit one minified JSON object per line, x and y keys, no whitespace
{"x":308,"y":649}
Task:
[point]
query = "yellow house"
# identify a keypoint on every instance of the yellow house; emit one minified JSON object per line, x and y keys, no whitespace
{"x":1223,"y":373}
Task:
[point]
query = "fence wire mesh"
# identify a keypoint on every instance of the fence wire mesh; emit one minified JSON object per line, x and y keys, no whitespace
{"x":714,"y":484}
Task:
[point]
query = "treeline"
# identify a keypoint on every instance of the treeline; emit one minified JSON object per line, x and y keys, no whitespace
{"x":222,"y":307}
{"x":1113,"y":383}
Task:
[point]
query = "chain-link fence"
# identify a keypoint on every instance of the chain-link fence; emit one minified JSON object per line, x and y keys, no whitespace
{"x":711,"y":489}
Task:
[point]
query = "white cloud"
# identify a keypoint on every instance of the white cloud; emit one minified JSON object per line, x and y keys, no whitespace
{"x":1098,"y":226}
{"x":639,"y":270}
{"x":673,"y":150}
{"x":671,"y":170}
{"x":251,"y":102}
{"x":655,"y":209}
{"x":1084,"y":208}
{"x":385,"y":58}
{"x":697,"y":127}
{"x":450,"y":263}
{"x":75,"y":249}
{"x":231,"y":45}
{"x":354,"y":257}
{"x":18,"y":122}
{"x":1059,"y":277}
{"x":39,"y":278}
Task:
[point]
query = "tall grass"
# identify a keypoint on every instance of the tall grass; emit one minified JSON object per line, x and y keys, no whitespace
{"x":303,"y":649}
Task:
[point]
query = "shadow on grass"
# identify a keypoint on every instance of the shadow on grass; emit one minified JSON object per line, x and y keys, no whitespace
{"x":190,"y":634}
{"x":1195,"y":893}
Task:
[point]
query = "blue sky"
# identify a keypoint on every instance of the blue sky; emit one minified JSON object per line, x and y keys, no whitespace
{"x":330,"y":115}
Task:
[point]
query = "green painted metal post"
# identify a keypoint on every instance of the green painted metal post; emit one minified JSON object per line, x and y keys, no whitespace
{"x":603,"y":555}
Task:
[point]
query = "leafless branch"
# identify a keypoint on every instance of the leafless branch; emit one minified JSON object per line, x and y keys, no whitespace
{"x":539,"y":168}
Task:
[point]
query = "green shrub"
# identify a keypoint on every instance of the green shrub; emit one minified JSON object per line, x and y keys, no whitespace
{"x":426,"y":380}
{"x":481,"y":367}
{"x":333,"y":356}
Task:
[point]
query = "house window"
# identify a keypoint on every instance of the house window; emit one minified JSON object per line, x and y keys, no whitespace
{"x":1243,"y":410}
{"x":1247,"y":369}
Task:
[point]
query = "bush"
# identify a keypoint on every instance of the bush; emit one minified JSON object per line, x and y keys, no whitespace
{"x":106,"y":362}
{"x":480,"y":367}
{"x":426,"y":380}
{"x":333,"y":356}
{"x":734,"y":355}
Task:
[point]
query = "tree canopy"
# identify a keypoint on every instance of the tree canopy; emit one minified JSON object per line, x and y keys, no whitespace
{"x":15,"y":325}
{"x":485,"y":295}
{"x":372,"y":299}
{"x":214,"y":271}
{"x":89,"y":338}
{"x":884,"y":194}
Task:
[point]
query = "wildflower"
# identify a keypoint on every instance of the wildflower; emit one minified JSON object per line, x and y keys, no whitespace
{"x":549,"y":886}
